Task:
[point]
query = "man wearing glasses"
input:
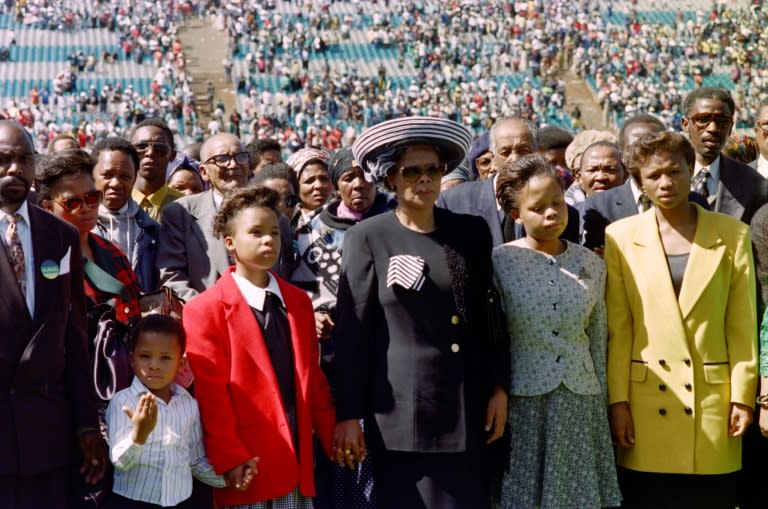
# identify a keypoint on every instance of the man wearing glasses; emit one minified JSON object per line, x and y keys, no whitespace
{"x":190,"y":257}
{"x":47,"y":400}
{"x":154,"y":142}
{"x":761,"y":136}
{"x":729,"y":186}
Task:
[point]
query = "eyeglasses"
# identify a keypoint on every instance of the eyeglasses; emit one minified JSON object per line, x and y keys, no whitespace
{"x":291,"y":200}
{"x":222,"y":160}
{"x":762,"y":126}
{"x":702,"y":120}
{"x":161,"y":149}
{"x":414,"y":173}
{"x":76,"y":203}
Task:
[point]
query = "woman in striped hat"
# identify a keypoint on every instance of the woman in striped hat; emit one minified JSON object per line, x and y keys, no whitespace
{"x":414,"y":358}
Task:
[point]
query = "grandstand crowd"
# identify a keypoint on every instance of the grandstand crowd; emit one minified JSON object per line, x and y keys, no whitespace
{"x":399,"y":272}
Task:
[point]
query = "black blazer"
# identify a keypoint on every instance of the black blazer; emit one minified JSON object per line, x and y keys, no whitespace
{"x":418,"y":365}
{"x":742,"y":190}
{"x":478,"y":198}
{"x":601,"y":209}
{"x":46,"y":391}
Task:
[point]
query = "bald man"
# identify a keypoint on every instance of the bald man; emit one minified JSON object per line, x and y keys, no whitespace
{"x":47,"y":398}
{"x":191,"y":259}
{"x":510,"y":139}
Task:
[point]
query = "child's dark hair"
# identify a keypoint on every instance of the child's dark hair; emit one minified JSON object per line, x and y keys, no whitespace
{"x":241,"y":199}
{"x":164,"y":324}
{"x":514,"y":176}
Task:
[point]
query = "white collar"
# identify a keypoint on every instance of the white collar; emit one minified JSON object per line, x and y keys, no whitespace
{"x":636,"y":191}
{"x":762,"y":166}
{"x":217,"y":199}
{"x":23,"y":211}
{"x":255,"y":295}
{"x":714,"y":169}
{"x":137,"y":389}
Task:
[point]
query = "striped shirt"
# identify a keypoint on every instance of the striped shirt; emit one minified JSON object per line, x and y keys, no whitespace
{"x":160,"y":471}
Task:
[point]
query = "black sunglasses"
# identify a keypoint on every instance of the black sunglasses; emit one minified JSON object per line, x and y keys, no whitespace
{"x":414,"y":173}
{"x":161,"y":149}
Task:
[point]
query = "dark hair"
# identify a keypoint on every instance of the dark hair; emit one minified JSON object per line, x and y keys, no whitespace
{"x":664,"y":142}
{"x":720,"y":94}
{"x":241,"y":199}
{"x":54,"y":167}
{"x":257,"y":147}
{"x":275,"y":171}
{"x":62,"y":136}
{"x":156,"y":122}
{"x":516,"y":175}
{"x":603,"y":143}
{"x":113,"y":144}
{"x":640,"y":118}
{"x":163,"y":324}
{"x":553,"y":137}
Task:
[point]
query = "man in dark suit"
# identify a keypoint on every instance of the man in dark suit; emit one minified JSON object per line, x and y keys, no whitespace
{"x":47,"y":399}
{"x":731,"y":187}
{"x":511,"y":139}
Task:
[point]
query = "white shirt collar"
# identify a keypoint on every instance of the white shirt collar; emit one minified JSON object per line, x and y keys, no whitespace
{"x":762,"y":166}
{"x":137,"y":389}
{"x":23,"y":211}
{"x":714,"y":174}
{"x":255,"y":295}
{"x":636,"y":191}
{"x":217,"y":199}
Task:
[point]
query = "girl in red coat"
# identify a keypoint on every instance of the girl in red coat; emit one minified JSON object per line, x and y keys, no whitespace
{"x":253,"y":349}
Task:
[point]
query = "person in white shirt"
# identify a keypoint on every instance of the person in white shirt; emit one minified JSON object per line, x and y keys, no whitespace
{"x":153,"y":426}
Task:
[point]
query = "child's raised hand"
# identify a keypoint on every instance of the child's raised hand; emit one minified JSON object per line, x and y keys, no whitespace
{"x":143,"y":418}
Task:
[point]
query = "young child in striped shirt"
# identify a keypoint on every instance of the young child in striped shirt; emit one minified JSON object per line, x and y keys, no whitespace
{"x":153,"y":426}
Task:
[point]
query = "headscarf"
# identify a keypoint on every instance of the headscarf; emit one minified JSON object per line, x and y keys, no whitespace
{"x":300,"y":158}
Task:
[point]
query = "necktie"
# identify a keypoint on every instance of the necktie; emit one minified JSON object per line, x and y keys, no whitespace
{"x":16,"y":252}
{"x":700,"y":182}
{"x":277,"y":336}
{"x":645,"y":202}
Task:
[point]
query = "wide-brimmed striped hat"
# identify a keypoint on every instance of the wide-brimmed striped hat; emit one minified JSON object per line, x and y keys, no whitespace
{"x":375,"y":149}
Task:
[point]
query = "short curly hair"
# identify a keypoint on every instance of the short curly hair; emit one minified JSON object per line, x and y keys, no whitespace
{"x":664,"y":142}
{"x":241,"y":199}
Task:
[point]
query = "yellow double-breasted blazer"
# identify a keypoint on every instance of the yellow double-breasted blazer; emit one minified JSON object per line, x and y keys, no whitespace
{"x":681,"y":361}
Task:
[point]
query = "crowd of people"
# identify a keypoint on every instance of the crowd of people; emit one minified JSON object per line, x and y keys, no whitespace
{"x":147,"y":34}
{"x":425,"y":318}
{"x":644,"y":65}
{"x":471,"y":63}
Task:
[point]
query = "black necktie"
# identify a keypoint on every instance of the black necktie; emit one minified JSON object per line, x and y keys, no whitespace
{"x":277,"y":337}
{"x":645,"y":202}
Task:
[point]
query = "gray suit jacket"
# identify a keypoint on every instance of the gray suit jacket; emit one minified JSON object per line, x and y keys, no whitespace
{"x":190,"y":258}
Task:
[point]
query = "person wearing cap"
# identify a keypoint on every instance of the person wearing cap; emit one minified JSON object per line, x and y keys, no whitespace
{"x":319,"y":244}
{"x":480,"y":157}
{"x":311,"y":167}
{"x":414,"y":357}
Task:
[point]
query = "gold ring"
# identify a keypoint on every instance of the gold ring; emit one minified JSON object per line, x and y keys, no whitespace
{"x":348,"y":451}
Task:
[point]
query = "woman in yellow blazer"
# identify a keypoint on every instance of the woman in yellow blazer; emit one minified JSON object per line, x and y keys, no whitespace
{"x":682,"y":346}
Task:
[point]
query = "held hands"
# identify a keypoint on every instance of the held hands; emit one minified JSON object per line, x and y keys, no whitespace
{"x":95,"y":456}
{"x":240,"y":477}
{"x":622,"y":429}
{"x":349,"y":443}
{"x":143,"y":418}
{"x":496,"y":415}
{"x":740,"y":418}
{"x":323,"y":325}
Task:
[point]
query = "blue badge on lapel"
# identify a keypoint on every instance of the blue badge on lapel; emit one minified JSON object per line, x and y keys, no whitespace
{"x":49,"y":269}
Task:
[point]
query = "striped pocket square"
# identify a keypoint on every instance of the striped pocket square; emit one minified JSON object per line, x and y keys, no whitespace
{"x":406,"y":271}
